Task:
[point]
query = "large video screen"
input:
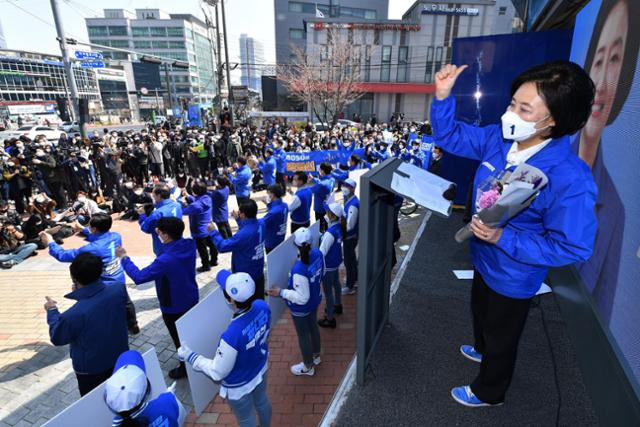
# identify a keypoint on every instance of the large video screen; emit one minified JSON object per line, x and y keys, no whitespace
{"x":605,"y":43}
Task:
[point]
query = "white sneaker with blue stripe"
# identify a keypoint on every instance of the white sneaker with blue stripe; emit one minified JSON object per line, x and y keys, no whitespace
{"x":470,"y":353}
{"x":464,"y":396}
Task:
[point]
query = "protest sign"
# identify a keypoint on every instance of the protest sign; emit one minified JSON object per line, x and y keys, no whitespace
{"x":92,"y":407}
{"x":309,"y":161}
{"x":200,"y":329}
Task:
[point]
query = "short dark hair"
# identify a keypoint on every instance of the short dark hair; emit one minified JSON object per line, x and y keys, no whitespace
{"x":86,"y":268}
{"x":101,"y":222}
{"x":301,"y":176}
{"x":222,"y":181}
{"x":199,"y":188}
{"x":630,"y":54}
{"x":276,"y":190}
{"x":162,"y":190}
{"x":326,"y":168}
{"x":566,"y":89}
{"x":248,"y":207}
{"x":172,"y":226}
{"x":242,"y":161}
{"x":240,"y":305}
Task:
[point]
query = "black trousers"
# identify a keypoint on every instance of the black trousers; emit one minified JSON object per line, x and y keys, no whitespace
{"x":259,"y":293}
{"x":280,"y":180}
{"x":132,"y":320}
{"x":87,"y":382}
{"x":57,"y":192}
{"x":170,"y":320}
{"x":225,"y":229}
{"x":498,"y":322}
{"x":323,"y":222}
{"x":295,"y":226}
{"x":207,"y":251}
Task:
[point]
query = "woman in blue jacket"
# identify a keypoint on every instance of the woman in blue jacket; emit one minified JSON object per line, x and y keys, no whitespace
{"x":220,"y":206}
{"x":303,"y":296}
{"x":549,"y":102}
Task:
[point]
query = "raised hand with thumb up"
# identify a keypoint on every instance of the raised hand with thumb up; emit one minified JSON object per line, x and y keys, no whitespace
{"x":446,"y":78}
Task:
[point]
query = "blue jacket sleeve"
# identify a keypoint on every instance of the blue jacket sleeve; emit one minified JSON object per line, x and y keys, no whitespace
{"x":64,"y":255}
{"x":148,"y":223}
{"x":570,"y":231}
{"x":147,"y":274}
{"x":457,"y":137}
{"x":192,"y":208}
{"x":63,"y":329}
{"x":227,"y":245}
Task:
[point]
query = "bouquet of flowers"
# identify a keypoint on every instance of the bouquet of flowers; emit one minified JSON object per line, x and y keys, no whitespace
{"x":500,"y":198}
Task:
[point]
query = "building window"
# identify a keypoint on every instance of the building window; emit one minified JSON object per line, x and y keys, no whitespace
{"x":310,"y":8}
{"x":119,"y":30}
{"x":403,"y":59}
{"x":370,"y":14}
{"x":158,"y":32}
{"x":160,"y":44}
{"x":358,"y":13}
{"x":140,"y":31}
{"x":367,"y":63}
{"x":296,"y":34}
{"x":438,"y":62}
{"x":176,"y":45}
{"x":502,"y":11}
{"x":98,"y":31}
{"x":428,"y":76}
{"x":142,"y":44}
{"x":447,"y":31}
{"x":376,"y":37}
{"x":385,"y":69}
{"x":175,"y":32}
{"x":120,"y":43}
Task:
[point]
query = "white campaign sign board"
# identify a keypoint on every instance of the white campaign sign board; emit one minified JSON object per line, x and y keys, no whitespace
{"x":355,"y":175}
{"x":280,"y":261}
{"x":92,"y":407}
{"x":200,"y":329}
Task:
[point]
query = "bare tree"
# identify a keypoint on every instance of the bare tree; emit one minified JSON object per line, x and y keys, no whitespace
{"x":327,"y":78}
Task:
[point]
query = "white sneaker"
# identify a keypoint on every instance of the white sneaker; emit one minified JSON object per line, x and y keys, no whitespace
{"x":300,"y":369}
{"x":348,"y":291}
{"x":317,"y":360}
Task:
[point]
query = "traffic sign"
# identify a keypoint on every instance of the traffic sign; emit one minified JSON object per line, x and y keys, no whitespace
{"x":92,"y":64}
{"x":80,"y":54}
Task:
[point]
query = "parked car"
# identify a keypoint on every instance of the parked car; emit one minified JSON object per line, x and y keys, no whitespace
{"x":70,"y":127}
{"x":31,"y":132}
{"x":321,"y":127}
{"x":348,"y":123}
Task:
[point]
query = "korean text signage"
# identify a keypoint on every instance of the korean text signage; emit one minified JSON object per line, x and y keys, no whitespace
{"x":366,"y":26}
{"x":309,"y":161}
{"x":445,"y":9}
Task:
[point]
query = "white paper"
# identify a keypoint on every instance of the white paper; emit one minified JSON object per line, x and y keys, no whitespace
{"x":463,"y":274}
{"x":280,"y":261}
{"x":422,"y":193}
{"x":92,"y":407}
{"x":200,"y":328}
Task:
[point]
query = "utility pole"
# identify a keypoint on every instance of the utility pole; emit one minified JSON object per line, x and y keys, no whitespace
{"x":169,"y":91}
{"x":71,"y":81}
{"x":219,"y":57}
{"x":226,"y":55}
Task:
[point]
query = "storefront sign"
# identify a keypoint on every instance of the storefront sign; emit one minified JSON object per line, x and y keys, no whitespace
{"x":445,"y":9}
{"x":366,"y":26}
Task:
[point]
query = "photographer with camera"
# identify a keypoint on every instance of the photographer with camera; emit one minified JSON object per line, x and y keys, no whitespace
{"x":13,"y":250}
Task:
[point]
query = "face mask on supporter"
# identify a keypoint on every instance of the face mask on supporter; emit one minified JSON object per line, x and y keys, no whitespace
{"x":435,"y":155}
{"x":517,"y":129}
{"x":346,"y":192}
{"x":82,"y":199}
{"x":267,"y":199}
{"x":137,"y":191}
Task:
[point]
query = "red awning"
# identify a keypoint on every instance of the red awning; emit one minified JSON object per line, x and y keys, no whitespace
{"x":379,"y":87}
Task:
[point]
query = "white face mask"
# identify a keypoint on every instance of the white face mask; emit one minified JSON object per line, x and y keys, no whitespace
{"x":517,"y":129}
{"x":82,"y":199}
{"x":267,"y":199}
{"x":137,"y":192}
{"x":435,"y":156}
{"x":346,"y":192}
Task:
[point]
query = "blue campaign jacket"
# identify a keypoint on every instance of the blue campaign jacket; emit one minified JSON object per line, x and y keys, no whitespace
{"x":242,"y":181}
{"x":321,"y":189}
{"x":303,"y":213}
{"x":353,"y":201}
{"x":174,"y":272}
{"x":557,"y":229}
{"x":95,"y":327}
{"x":148,"y":224}
{"x":246,"y":247}
{"x":199,"y":211}
{"x":281,"y":162}
{"x":102,"y":245}
{"x":275,"y":223}
{"x":314,"y":271}
{"x":268,"y":169}
{"x":220,"y":205}
{"x":334,"y":256}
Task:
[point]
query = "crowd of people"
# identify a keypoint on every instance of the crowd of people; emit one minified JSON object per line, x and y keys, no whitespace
{"x":163,"y":177}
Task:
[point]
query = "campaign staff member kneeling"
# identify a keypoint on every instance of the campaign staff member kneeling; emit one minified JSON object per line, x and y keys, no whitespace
{"x":241,"y":359}
{"x":303,"y":296}
{"x":549,"y":102}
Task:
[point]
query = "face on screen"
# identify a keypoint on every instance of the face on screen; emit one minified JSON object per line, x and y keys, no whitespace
{"x":606,"y":66}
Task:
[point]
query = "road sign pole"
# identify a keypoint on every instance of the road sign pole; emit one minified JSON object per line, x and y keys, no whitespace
{"x":67,"y":66}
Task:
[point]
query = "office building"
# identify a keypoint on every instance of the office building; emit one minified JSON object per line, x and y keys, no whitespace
{"x":176,"y":37}
{"x":3,"y":40}
{"x":290,"y":17}
{"x":251,"y":62}
{"x":401,"y":57}
{"x":114,"y":92}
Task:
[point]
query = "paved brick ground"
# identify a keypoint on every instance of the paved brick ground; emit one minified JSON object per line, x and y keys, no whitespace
{"x":37,"y":381}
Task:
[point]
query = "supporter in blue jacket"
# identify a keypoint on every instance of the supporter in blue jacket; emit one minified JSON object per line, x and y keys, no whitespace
{"x":268,"y":168}
{"x":127,"y":393}
{"x":246,"y":246}
{"x":300,"y":206}
{"x":303,"y":296}
{"x":242,"y":179}
{"x":199,"y":211}
{"x":281,"y":163}
{"x":321,"y":190}
{"x":103,"y":244}
{"x":164,"y":207}
{"x":331,"y":248}
{"x":549,"y":102}
{"x":94,"y":327}
{"x":275,"y":221}
{"x":174,"y":272}
{"x":382,"y":153}
{"x":242,"y":357}
{"x":220,"y":206}
{"x":350,"y":242}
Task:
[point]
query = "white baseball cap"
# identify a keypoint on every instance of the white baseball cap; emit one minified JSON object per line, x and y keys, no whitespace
{"x":239,"y":286}
{"x":302,"y":236}
{"x":349,"y":182}
{"x":336,"y":209}
{"x":127,"y":387}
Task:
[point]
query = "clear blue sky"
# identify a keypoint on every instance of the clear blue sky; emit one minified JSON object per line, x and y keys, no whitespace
{"x":35,"y":30}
